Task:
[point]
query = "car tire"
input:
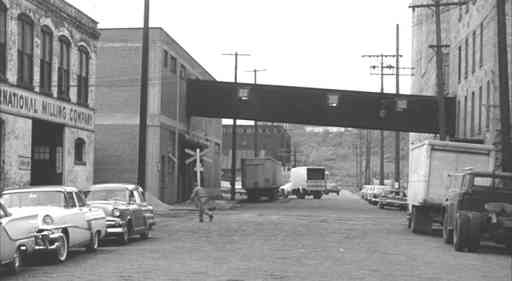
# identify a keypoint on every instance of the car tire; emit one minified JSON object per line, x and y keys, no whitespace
{"x":460,"y":232}
{"x":124,"y":237}
{"x":95,"y":242}
{"x":447,"y":233}
{"x":475,"y":220}
{"x":317,"y":196}
{"x":14,"y":266}
{"x":61,"y":253}
{"x":380,"y":205}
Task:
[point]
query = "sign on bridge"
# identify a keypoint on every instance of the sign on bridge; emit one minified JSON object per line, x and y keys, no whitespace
{"x":320,"y":107}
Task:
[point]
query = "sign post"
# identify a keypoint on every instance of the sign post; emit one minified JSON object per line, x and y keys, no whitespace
{"x":197,"y":156}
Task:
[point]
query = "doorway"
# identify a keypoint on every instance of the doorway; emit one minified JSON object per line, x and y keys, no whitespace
{"x":47,"y":153}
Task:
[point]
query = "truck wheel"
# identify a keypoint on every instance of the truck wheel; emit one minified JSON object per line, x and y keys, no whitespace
{"x":447,"y":233}
{"x":421,"y":222}
{"x":460,"y":232}
{"x":475,"y":220}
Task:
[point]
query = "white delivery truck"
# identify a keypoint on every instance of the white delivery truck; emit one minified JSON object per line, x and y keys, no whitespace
{"x":430,"y":162}
{"x":308,"y":181}
{"x":261,"y":177}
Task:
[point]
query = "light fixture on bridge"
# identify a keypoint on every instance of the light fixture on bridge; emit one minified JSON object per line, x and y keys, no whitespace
{"x":333,"y":100}
{"x":401,"y":104}
{"x":243,"y":93}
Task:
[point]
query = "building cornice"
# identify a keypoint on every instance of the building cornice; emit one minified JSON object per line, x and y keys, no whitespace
{"x":70,"y":14}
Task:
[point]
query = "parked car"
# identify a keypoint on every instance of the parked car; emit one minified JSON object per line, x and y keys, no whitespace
{"x":393,"y":198}
{"x":478,"y":207}
{"x":332,"y":188}
{"x":65,"y":220}
{"x":376,"y":192}
{"x":16,"y":238}
{"x":126,"y":209}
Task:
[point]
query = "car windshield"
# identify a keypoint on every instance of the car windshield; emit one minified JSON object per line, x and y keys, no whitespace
{"x":34,"y":199}
{"x":108,"y":195}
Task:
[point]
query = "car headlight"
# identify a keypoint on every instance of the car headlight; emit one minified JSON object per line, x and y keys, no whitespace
{"x":47,"y":220}
{"x":116,"y":212}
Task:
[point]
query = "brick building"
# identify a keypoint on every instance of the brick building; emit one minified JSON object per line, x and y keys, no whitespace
{"x":471,"y":65}
{"x":169,"y":130}
{"x":47,"y":72}
{"x":273,"y":141}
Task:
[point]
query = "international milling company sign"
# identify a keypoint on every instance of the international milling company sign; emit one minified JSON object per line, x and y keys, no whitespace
{"x":25,"y":103}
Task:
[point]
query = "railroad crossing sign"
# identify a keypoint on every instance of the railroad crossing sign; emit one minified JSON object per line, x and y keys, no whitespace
{"x":197,"y":156}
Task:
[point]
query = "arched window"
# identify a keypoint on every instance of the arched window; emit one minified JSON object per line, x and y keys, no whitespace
{"x":3,"y":40}
{"x":25,"y":51}
{"x":63,"y":71}
{"x":83,"y":77}
{"x":45,"y":83}
{"x":80,"y":151}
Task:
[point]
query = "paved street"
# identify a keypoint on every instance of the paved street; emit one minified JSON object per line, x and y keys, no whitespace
{"x":336,"y":238}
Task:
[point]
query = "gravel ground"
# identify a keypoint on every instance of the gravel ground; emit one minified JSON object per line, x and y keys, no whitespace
{"x":336,"y":238}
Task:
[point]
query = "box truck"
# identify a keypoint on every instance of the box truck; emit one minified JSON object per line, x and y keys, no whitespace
{"x":261,"y":177}
{"x":430,"y":162}
{"x":308,"y":181}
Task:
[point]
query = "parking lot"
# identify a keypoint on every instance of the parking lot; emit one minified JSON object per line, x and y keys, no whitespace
{"x":335,"y":238}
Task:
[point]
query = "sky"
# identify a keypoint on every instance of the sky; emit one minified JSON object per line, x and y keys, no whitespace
{"x":309,"y":43}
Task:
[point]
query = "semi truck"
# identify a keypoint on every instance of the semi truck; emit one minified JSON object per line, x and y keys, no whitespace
{"x":308,"y":181}
{"x":261,"y":177}
{"x":430,"y":163}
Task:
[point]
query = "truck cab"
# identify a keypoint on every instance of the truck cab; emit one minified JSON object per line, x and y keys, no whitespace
{"x":478,"y":206}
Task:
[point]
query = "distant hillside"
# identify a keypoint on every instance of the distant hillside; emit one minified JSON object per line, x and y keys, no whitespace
{"x":335,"y":151}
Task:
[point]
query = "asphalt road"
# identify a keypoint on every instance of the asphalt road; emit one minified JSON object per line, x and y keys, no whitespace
{"x":336,"y":238}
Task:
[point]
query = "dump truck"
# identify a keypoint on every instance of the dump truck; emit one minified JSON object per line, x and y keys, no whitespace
{"x":261,"y":177}
{"x":430,"y":163}
{"x":308,"y":181}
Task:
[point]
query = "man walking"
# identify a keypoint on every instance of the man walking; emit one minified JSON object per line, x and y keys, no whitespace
{"x":201,"y":199}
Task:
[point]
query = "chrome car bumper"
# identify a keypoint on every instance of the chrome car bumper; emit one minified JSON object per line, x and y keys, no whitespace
{"x":47,"y":240}
{"x":114,"y":226}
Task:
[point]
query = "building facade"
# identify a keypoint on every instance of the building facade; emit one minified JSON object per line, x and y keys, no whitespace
{"x":273,"y":141}
{"x":170,"y":132}
{"x":471,"y":66}
{"x":47,"y":99}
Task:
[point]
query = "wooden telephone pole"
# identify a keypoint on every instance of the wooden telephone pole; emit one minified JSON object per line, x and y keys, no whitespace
{"x":233,"y":132}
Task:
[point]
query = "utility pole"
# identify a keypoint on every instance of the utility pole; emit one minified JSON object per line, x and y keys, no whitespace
{"x":143,"y":115}
{"x":439,"y":60}
{"x":368,"y":158}
{"x":397,"y":85}
{"x":381,"y":66}
{"x":255,"y":72}
{"x":504,"y":100}
{"x":233,"y":132}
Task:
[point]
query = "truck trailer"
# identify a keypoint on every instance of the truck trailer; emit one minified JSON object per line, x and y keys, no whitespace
{"x":430,"y":163}
{"x":261,"y":177}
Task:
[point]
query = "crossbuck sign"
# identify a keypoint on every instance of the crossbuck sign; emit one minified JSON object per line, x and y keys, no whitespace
{"x":197,"y":156}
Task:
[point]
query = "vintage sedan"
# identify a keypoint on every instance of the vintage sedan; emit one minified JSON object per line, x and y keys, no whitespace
{"x":16,"y":238}
{"x":65,"y":219}
{"x":126,"y":209}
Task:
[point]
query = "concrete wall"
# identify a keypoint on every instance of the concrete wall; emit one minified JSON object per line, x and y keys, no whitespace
{"x":16,"y":137}
{"x":78,"y":174}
